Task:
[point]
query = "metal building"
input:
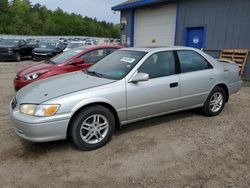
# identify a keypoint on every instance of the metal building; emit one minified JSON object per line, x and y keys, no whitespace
{"x":213,"y":25}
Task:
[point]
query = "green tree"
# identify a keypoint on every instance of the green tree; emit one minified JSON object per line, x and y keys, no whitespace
{"x":21,"y":17}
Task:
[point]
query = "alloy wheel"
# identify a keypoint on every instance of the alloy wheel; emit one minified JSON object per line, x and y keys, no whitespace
{"x":94,"y":129}
{"x":216,"y":102}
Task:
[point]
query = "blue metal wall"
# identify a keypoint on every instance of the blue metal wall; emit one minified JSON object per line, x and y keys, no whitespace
{"x":128,"y":28}
{"x":227,"y":24}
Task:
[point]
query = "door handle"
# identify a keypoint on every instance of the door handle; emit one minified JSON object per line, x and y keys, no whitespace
{"x":174,"y":84}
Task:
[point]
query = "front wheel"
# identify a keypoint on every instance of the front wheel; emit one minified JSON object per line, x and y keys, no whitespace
{"x":17,"y":57}
{"x":92,"y":127}
{"x":215,"y":102}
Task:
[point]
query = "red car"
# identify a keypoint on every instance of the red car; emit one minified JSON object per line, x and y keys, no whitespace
{"x":73,"y":60}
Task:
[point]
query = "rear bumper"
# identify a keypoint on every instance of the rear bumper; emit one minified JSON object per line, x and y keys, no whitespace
{"x":234,"y":87}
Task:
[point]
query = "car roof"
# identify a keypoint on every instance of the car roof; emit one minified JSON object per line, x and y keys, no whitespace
{"x":153,"y":48}
{"x":90,"y":47}
{"x":50,"y":41}
{"x":77,"y":42}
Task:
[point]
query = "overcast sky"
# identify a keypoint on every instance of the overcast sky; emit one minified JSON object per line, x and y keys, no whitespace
{"x":101,"y":9}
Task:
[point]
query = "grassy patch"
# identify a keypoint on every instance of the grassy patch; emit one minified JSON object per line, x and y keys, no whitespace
{"x":246,"y":83}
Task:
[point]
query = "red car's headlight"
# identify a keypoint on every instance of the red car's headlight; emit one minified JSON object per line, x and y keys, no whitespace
{"x":34,"y":75}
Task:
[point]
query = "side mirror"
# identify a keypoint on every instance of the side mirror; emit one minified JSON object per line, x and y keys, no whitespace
{"x":77,"y":61}
{"x":140,"y":77}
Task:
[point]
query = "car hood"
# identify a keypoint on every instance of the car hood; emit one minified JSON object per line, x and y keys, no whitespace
{"x":66,"y":49}
{"x":7,"y":46}
{"x":44,"y":90}
{"x":43,"y":50}
{"x":34,"y":68}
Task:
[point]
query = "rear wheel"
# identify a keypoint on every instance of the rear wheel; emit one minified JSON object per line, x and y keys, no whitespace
{"x":215,"y":102}
{"x":92,"y":127}
{"x":17,"y":57}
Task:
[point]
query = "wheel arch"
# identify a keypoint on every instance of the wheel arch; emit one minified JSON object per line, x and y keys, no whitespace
{"x":104,"y":104}
{"x":225,"y":88}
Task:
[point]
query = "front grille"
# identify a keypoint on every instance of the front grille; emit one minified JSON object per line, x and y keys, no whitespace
{"x":13,"y":103}
{"x":3,"y":49}
{"x":39,"y":56}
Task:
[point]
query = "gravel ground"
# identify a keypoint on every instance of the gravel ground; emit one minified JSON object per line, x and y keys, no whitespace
{"x":179,"y":150}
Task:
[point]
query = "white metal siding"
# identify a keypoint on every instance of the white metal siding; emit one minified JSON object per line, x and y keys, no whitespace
{"x":155,"y":24}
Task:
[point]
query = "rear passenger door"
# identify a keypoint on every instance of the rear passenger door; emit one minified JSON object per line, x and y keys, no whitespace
{"x":196,"y":78}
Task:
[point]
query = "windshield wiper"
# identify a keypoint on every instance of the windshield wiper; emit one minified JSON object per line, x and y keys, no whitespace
{"x":94,"y":73}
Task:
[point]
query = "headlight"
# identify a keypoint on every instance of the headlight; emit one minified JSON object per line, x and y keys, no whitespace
{"x":10,"y":49}
{"x":34,"y":75}
{"x":39,"y":110}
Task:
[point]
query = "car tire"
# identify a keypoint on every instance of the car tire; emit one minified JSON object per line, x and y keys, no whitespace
{"x":215,"y":102}
{"x":17,"y":57}
{"x":33,"y":58}
{"x":92,"y":127}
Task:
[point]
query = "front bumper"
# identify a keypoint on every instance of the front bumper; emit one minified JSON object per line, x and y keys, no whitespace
{"x":32,"y":129}
{"x":18,"y":84}
{"x":7,"y":55}
{"x":41,"y":56}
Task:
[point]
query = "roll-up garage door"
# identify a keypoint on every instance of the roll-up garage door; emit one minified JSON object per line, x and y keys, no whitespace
{"x":155,"y":26}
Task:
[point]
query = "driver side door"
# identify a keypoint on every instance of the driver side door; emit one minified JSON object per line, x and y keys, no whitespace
{"x":158,"y":95}
{"x":24,"y":50}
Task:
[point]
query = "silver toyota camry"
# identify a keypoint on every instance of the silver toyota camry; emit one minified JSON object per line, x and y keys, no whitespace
{"x":127,"y":86}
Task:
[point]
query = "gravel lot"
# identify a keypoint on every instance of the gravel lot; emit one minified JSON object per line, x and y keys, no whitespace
{"x":179,"y":150}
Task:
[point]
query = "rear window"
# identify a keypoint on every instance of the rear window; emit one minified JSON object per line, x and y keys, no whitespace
{"x":191,"y":61}
{"x":65,"y":56}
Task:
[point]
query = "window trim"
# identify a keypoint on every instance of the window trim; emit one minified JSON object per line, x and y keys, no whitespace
{"x":179,"y":63}
{"x":175,"y":63}
{"x":109,"y":50}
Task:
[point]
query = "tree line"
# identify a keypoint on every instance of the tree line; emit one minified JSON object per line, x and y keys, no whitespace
{"x":22,"y":18}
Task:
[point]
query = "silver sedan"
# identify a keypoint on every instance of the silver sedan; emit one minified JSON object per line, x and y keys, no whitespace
{"x":127,"y":86}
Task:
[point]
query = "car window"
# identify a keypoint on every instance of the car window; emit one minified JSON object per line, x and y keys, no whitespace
{"x":61,"y":58}
{"x":111,"y":50}
{"x":59,"y":45}
{"x":192,"y":61}
{"x":159,"y":64}
{"x":118,"y":64}
{"x":47,"y":45}
{"x":9,"y":42}
{"x":94,"y":56}
{"x":22,"y":43}
{"x":74,"y":45}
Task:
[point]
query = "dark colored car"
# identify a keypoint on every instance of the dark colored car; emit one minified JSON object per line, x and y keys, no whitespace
{"x":47,"y":50}
{"x":15,"y":49}
{"x":73,"y":60}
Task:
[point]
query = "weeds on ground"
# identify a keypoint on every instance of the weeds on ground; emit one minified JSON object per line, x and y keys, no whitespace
{"x":246,"y":83}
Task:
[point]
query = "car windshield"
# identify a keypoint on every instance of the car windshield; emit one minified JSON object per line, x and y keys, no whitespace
{"x":8,"y":42}
{"x":74,"y":45}
{"x":47,"y":45}
{"x":65,"y":56}
{"x":116,"y":65}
